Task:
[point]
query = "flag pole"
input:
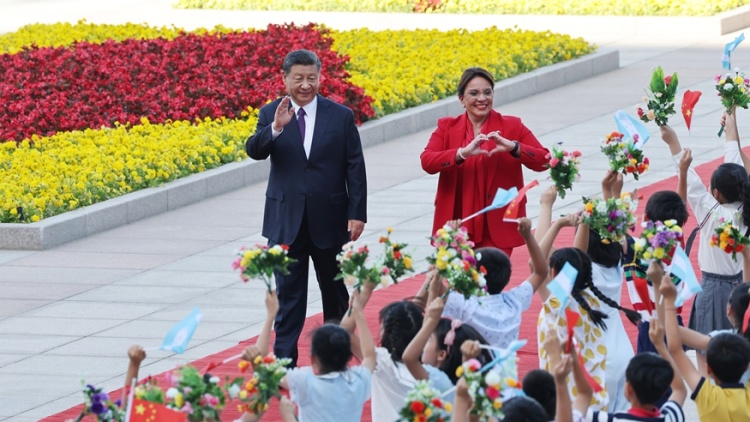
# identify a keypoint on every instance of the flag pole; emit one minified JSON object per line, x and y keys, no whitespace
{"x":131,"y":395}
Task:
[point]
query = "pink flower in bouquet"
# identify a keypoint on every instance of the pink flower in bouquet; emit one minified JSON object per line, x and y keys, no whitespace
{"x":668,"y":79}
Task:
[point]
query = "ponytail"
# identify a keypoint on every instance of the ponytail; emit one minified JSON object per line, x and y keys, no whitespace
{"x":633,"y":316}
{"x":597,"y":317}
{"x":578,"y":259}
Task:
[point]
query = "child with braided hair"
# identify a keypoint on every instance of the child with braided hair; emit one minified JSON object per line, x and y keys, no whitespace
{"x":607,"y":279}
{"x":591,"y":327}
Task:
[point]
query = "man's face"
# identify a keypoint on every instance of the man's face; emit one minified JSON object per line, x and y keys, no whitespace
{"x":302,"y":83}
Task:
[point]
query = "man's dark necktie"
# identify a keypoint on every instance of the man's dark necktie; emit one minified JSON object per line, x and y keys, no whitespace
{"x":301,"y":122}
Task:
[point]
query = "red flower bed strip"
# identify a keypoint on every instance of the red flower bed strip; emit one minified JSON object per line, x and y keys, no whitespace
{"x":47,"y":90}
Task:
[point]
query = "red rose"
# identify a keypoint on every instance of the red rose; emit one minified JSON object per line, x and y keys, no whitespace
{"x":417,"y":407}
{"x":667,"y":79}
{"x":640,"y":112}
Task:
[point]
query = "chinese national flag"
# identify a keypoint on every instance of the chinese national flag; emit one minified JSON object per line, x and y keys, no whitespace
{"x":145,"y":411}
{"x":511,"y":212}
{"x":688,"y":104}
{"x":572,"y":319}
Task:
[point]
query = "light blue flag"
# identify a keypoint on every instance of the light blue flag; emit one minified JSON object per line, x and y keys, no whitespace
{"x":180,"y":334}
{"x":503,"y":354}
{"x":502,"y":198}
{"x":562,"y":284}
{"x":632,"y":127}
{"x":728,"y":49}
{"x":682,"y":268}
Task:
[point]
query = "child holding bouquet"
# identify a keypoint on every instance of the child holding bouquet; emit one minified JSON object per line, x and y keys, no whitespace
{"x":328,"y":390}
{"x":728,"y":199}
{"x":497,"y":317}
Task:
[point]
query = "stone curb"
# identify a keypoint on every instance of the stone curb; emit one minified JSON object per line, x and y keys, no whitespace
{"x":135,"y":206}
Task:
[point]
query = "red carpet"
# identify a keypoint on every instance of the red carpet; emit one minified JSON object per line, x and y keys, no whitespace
{"x":528,"y":355}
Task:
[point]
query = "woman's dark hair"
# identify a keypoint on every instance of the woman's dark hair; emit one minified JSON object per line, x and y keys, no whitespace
{"x":472,"y":73}
{"x":454,"y":358}
{"x":400,"y":322}
{"x":540,"y":386}
{"x":739,"y":300}
{"x":608,"y":255}
{"x":581,"y":262}
{"x":331,"y":345}
{"x":666,"y":205}
{"x":497,"y":265}
{"x":732,"y":182}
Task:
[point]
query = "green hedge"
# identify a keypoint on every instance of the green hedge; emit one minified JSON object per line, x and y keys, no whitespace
{"x":543,"y":7}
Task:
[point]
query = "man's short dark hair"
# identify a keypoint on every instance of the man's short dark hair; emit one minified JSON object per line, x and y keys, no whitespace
{"x":497,"y":265}
{"x":649,"y":375}
{"x":666,"y":205}
{"x":300,"y":57}
{"x":728,"y":356}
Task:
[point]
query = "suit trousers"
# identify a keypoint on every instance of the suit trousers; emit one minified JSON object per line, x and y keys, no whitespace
{"x":292,"y":291}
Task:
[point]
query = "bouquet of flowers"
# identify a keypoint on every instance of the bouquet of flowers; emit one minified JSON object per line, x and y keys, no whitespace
{"x":423,"y":404}
{"x":396,"y":263}
{"x":149,"y":391}
{"x":610,"y":218}
{"x":487,"y":391}
{"x":354,"y":267}
{"x":658,"y":241}
{"x":624,"y":156}
{"x":454,"y":260}
{"x":563,"y":169}
{"x":733,"y":91}
{"x":261,"y":262}
{"x":97,"y":403}
{"x":729,"y":238}
{"x":200,"y":396}
{"x":659,"y":98}
{"x":264,"y":385}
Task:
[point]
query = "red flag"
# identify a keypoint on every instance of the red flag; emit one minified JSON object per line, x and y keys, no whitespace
{"x":145,"y":411}
{"x":572,"y":318}
{"x":688,"y":104}
{"x":511,"y":213}
{"x":745,"y":321}
{"x":592,"y":382}
{"x":641,"y":287}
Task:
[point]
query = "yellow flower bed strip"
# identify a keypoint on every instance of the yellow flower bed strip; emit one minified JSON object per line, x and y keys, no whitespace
{"x":497,"y":7}
{"x":55,"y":174}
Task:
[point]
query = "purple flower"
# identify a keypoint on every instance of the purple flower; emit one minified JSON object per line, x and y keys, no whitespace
{"x":97,"y":408}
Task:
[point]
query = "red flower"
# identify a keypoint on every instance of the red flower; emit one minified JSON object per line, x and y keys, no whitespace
{"x":417,"y":407}
{"x":668,"y":79}
{"x":285,"y":247}
{"x":492,"y":393}
{"x":269,"y":359}
{"x":396,"y":255}
{"x":437,"y":402}
{"x":640,"y":112}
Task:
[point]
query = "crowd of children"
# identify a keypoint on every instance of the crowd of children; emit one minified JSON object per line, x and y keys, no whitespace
{"x":593,"y":375}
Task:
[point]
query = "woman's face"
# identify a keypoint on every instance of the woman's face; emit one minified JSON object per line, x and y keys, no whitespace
{"x":477,"y":98}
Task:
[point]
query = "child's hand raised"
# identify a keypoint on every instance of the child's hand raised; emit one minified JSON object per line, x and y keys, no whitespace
{"x":435,"y":309}
{"x":563,"y":368}
{"x":136,"y":354}
{"x":668,"y":134}
{"x":654,"y":273}
{"x":552,"y":342}
{"x":470,"y":349}
{"x":524,"y":227}
{"x":656,"y":331}
{"x":454,"y":224}
{"x":667,"y":288}
{"x":570,"y":220}
{"x":251,"y":353}
{"x":548,"y":197}
{"x":272,"y":304}
{"x":686,"y":160}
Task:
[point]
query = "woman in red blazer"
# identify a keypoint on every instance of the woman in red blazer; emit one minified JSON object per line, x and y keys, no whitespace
{"x":476,"y":153}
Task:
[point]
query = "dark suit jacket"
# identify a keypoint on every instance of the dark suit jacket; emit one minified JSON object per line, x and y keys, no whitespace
{"x":330,"y":185}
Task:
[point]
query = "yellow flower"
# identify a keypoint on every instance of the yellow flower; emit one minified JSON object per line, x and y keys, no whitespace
{"x":243,"y":394}
{"x":428,"y":412}
{"x":659,"y":253}
{"x":258,"y":359}
{"x":459,"y":371}
{"x":448,"y":407}
{"x":179,"y":400}
{"x":647,"y":255}
{"x":389,"y":229}
{"x":589,"y":207}
{"x":738,"y":80}
{"x":407,"y":262}
{"x":497,"y":404}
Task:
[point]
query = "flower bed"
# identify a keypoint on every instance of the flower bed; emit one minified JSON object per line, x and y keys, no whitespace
{"x":499,"y":7}
{"x":93,"y":117}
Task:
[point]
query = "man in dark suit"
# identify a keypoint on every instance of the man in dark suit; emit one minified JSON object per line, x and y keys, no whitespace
{"x":316,"y":198}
